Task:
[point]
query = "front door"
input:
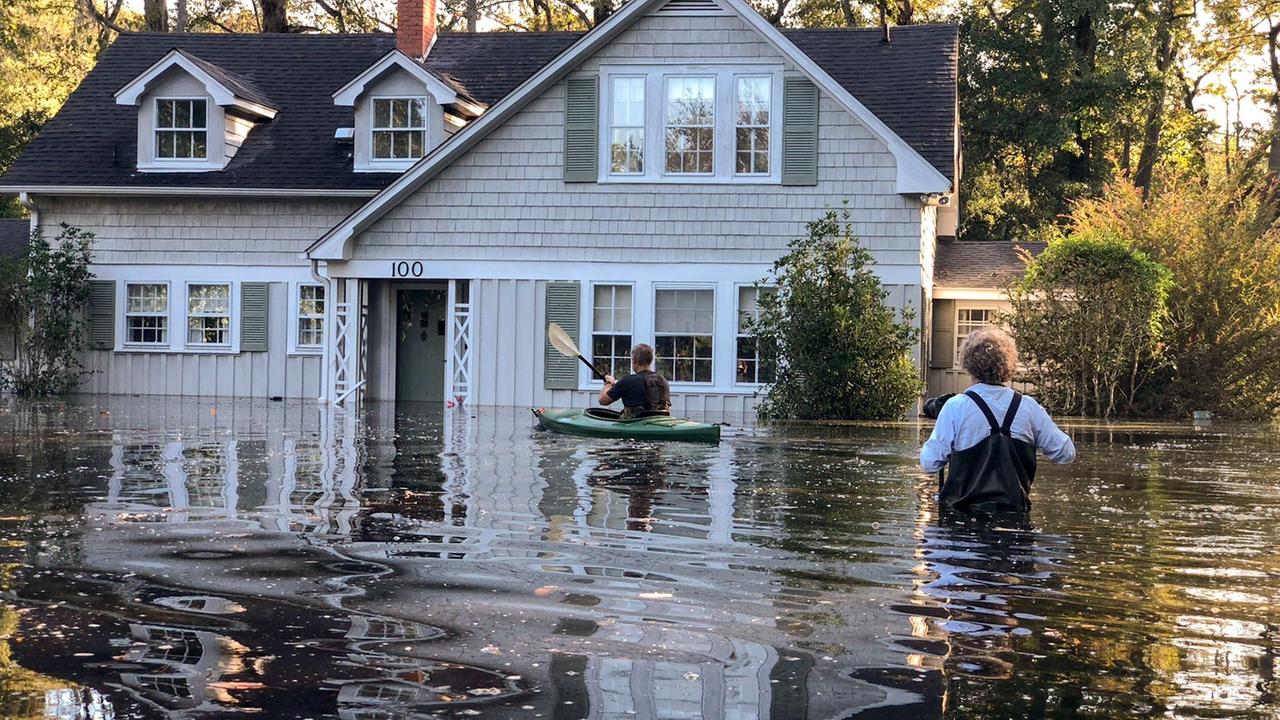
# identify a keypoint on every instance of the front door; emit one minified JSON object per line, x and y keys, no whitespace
{"x":420,"y":345}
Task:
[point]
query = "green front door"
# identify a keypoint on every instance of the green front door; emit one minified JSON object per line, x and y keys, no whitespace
{"x":420,"y":345}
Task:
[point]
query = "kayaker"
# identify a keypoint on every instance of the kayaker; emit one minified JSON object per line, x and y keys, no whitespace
{"x":643,"y":391}
{"x":987,"y":437}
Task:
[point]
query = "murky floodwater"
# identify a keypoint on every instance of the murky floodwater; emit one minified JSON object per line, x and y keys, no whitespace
{"x":165,"y":558}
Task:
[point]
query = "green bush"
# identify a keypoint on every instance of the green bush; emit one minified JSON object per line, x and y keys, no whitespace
{"x":43,"y":295}
{"x":1088,"y":316}
{"x":844,"y":354}
{"x":1222,"y":334}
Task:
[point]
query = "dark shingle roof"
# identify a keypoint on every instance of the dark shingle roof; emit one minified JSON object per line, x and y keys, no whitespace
{"x":980,"y":264}
{"x":240,"y":87}
{"x":15,"y":233}
{"x":909,"y":84}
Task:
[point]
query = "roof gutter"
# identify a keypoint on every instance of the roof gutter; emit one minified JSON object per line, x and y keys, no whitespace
{"x":110,"y":190}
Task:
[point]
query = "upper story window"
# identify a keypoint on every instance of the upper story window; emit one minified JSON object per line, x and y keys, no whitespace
{"x":626,"y":132}
{"x":182,"y":130}
{"x":696,"y":124}
{"x":690,"y":125}
{"x":399,"y":128}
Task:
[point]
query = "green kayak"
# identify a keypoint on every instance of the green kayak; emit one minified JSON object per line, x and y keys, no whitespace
{"x":605,"y":423}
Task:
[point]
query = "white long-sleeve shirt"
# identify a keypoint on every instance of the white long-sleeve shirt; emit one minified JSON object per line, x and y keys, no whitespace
{"x":961,"y":425}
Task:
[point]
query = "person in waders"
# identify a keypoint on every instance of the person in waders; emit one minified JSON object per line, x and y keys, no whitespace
{"x":987,"y":437}
{"x":643,"y":392}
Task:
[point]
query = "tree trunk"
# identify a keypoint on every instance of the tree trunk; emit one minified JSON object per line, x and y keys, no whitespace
{"x":601,"y":10}
{"x":906,"y":11}
{"x":1080,"y":164}
{"x":155,"y":15}
{"x":1154,"y":125}
{"x":1273,"y":156}
{"x":183,"y":19}
{"x":473,"y":15}
{"x":275,"y":18}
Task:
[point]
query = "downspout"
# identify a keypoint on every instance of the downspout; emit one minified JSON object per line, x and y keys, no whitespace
{"x":25,"y":200}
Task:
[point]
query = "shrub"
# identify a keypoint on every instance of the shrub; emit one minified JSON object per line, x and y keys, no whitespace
{"x":843,"y":353}
{"x":1088,"y":316}
{"x":1222,"y":244}
{"x":43,"y":294}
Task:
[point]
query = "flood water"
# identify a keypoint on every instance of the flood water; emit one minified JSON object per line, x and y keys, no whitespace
{"x":192,"y":559}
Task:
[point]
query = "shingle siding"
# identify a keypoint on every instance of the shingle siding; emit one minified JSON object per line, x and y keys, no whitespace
{"x":506,"y":199}
{"x":135,"y":231}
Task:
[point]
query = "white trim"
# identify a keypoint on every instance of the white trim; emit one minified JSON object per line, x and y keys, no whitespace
{"x":724,"y":164}
{"x":716,"y":331}
{"x":133,"y":91}
{"x":946,"y":293}
{"x":295,"y":300}
{"x":232,"y":311}
{"x":167,"y":315}
{"x":915,"y":174}
{"x":348,"y":94}
{"x":114,"y":190}
{"x":395,"y":164}
{"x":180,"y":164}
{"x":588,"y":322}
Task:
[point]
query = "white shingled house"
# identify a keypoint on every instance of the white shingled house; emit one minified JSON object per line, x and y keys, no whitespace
{"x":398,"y":218}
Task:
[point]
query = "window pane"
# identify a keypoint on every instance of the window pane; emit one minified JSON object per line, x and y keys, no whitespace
{"x":381,"y":113}
{"x":182,"y":114}
{"x":209,"y":299}
{"x":691,"y":101}
{"x":628,"y":101}
{"x":626,"y":154}
{"x":399,"y":113}
{"x":182,"y":144}
{"x":198,"y":149}
{"x":415,"y":144}
{"x":164,"y":113}
{"x":416,"y":113}
{"x":754,"y":98}
{"x":198,"y":114}
{"x":164,"y":146}
{"x":690,"y":120}
{"x":382,"y":145}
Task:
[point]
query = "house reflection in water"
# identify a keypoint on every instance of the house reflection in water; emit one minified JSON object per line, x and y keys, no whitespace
{"x":607,"y":579}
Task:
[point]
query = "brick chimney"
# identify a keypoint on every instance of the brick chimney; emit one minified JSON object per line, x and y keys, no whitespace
{"x":415,"y":27}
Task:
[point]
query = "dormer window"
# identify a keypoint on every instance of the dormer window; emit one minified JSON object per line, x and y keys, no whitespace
{"x":399,"y":128}
{"x":182,"y":131}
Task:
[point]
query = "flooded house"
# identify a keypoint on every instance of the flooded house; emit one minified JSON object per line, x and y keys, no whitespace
{"x":398,"y":217}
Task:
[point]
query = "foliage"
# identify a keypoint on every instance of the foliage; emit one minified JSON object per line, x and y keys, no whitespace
{"x":1222,"y":335}
{"x":1088,"y":316}
{"x":43,"y":296}
{"x":844,"y":354}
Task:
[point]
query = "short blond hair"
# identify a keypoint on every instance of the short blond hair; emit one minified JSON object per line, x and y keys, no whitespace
{"x":990,"y":355}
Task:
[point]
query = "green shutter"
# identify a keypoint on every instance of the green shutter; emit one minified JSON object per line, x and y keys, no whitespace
{"x":560,"y":372}
{"x":254,"y":306}
{"x":799,"y":132}
{"x":102,"y":314}
{"x":581,"y":129}
{"x":944,"y":334}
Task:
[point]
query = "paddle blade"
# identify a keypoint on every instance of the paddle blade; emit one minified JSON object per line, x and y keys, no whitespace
{"x":561,"y":341}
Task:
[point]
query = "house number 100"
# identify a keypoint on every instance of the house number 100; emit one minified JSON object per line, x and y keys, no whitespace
{"x":406,"y":269}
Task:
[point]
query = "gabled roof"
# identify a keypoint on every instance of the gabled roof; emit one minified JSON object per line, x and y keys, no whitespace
{"x":15,"y":235}
{"x":980,"y":265}
{"x":91,"y":143}
{"x":915,"y":174}
{"x":444,"y":90}
{"x":226,"y":88}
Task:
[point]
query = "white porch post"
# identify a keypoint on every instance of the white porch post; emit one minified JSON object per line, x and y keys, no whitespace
{"x":458,"y":342}
{"x":347,"y":367}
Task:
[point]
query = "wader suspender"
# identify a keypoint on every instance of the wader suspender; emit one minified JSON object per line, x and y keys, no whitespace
{"x":1002,"y":428}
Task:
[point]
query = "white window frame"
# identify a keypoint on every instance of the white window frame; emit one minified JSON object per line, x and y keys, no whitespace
{"x":737,"y":333}
{"x":688,"y":385}
{"x":989,"y":308}
{"x":591,"y":314}
{"x":723,"y":164}
{"x":167,"y":315}
{"x":769,"y":127}
{"x":716,"y":118}
{"x":374,"y":129}
{"x":232,"y":309}
{"x":156,"y":130}
{"x":296,"y":317}
{"x":612,"y":125}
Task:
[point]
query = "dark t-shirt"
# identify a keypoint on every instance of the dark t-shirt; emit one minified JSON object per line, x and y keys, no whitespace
{"x":630,"y":390}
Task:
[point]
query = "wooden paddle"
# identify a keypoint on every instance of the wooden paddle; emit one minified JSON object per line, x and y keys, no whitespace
{"x":561,"y":341}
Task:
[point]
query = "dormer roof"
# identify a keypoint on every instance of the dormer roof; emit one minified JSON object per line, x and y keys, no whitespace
{"x":444,"y":89}
{"x":226,"y":88}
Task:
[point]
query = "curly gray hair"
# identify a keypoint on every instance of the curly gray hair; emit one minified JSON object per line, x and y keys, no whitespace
{"x":990,"y":355}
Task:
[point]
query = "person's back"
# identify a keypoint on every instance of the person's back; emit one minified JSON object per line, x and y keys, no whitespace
{"x":988,"y":436}
{"x":643,"y":391}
